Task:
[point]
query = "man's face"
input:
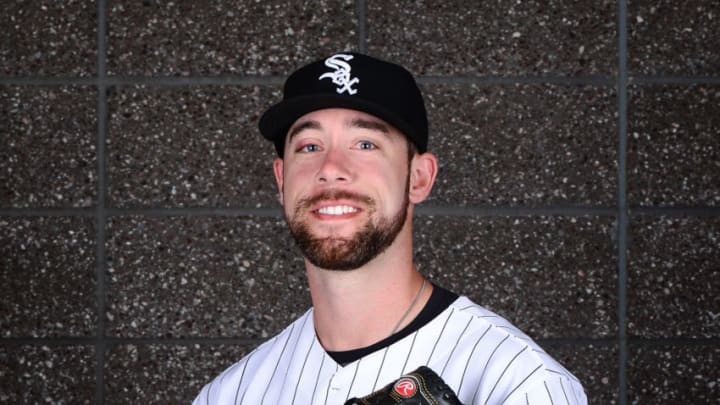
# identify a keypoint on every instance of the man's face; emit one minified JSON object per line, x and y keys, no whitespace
{"x":344,"y":182}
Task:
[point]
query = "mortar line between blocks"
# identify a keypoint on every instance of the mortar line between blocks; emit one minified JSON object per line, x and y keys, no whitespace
{"x":622,"y":89}
{"x":361,"y":10}
{"x":101,"y":214}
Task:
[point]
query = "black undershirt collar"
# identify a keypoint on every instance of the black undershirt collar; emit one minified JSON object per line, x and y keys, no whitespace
{"x":440,"y":300}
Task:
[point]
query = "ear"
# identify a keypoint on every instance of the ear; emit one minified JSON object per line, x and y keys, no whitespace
{"x":423,"y":170}
{"x":278,"y":170}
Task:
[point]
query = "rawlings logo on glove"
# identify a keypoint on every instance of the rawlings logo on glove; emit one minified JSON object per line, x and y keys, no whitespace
{"x":421,"y":387}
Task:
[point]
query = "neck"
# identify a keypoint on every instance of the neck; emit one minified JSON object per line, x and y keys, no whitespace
{"x":356,"y":308}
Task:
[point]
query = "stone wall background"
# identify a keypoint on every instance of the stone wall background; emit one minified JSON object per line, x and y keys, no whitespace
{"x":142,"y":250}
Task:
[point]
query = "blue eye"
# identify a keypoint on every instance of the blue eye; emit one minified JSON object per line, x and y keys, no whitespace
{"x":309,"y":148}
{"x":367,"y":145}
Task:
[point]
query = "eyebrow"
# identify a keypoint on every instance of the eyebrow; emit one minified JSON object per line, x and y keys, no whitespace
{"x":368,"y":124}
{"x":303,"y":126}
{"x":353,"y":123}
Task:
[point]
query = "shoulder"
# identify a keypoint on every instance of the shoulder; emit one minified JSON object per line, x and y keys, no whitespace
{"x":230,"y":385}
{"x":499,"y":363}
{"x":479,"y":318}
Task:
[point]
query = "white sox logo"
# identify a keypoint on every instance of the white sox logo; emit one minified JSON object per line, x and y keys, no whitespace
{"x":405,"y":387}
{"x":341,"y":75}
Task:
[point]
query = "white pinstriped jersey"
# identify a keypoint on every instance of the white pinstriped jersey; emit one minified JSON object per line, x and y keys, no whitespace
{"x":480,"y":355}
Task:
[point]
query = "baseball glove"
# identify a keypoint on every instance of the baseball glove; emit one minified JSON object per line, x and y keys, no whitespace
{"x":421,"y":387}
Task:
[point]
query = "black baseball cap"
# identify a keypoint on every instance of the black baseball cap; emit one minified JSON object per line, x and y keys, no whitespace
{"x":354,"y":81}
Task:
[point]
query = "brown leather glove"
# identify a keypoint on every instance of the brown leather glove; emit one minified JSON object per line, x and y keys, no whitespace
{"x":421,"y":387}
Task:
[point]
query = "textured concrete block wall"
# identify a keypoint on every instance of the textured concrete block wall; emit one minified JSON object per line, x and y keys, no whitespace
{"x":142,"y":249}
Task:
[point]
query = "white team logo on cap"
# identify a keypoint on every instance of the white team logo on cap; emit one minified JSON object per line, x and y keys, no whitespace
{"x":341,"y":75}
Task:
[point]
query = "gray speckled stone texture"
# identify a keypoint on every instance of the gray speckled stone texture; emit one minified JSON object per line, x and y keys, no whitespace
{"x":48,"y":157}
{"x":178,"y":147}
{"x":48,"y":38}
{"x":203,"y":276}
{"x":435,"y":37}
{"x":673,"y":37}
{"x":594,"y":365}
{"x":160,"y":374}
{"x":186,"y":37}
{"x":523,"y":144}
{"x":674,"y":374}
{"x":47,"y":282}
{"x":673,"y":145}
{"x":55,"y":374}
{"x":674,"y":278}
{"x":550,"y":276}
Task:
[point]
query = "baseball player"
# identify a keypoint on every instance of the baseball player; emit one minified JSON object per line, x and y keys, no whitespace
{"x":351,"y":136}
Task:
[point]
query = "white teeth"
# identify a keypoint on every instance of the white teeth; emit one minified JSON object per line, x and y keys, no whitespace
{"x":337,"y":210}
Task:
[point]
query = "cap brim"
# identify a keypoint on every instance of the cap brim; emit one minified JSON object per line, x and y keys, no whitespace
{"x":277,"y":120}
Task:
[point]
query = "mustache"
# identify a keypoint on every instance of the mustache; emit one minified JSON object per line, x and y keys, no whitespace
{"x":334,"y":195}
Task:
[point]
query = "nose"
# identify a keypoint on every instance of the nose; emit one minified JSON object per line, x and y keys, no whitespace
{"x":334,"y":167}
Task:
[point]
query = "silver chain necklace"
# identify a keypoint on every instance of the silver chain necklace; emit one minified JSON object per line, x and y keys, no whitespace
{"x":412,"y":305}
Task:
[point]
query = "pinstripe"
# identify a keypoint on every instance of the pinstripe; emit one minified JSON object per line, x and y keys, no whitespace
{"x":302,"y":371}
{"x":549,"y":370}
{"x":407,"y":358}
{"x":563,"y":374}
{"x":220,"y":383}
{"x":484,"y":369}
{"x":222,"y":377}
{"x":207,"y":399}
{"x":327,"y":392}
{"x":465,"y":308}
{"x":455,"y":346}
{"x":521,"y":383}
{"x":440,"y":335}
{"x":563,"y":391}
{"x":382,"y":363}
{"x":300,"y":333}
{"x":242,"y":398}
{"x":462,"y":378}
{"x":503,"y":372}
{"x":317,"y":378}
{"x":357,"y":367}
{"x":242,"y":376}
{"x":575,"y":394}
{"x":471,"y":306}
{"x":237,"y":391}
{"x":548,"y":392}
{"x":277,"y":364}
{"x":292,"y":356}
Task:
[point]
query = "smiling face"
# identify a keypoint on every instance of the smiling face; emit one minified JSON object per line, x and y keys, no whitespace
{"x":345,"y":186}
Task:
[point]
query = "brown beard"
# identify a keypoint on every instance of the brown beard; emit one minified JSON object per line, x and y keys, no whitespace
{"x":346,"y":254}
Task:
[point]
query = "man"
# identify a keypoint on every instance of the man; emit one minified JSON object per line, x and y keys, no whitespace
{"x":351,"y":135}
